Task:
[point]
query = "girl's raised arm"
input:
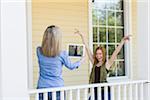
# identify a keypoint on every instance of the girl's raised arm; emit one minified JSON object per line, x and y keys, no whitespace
{"x":90,"y":55}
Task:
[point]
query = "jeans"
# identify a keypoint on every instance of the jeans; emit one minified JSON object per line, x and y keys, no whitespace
{"x":41,"y":96}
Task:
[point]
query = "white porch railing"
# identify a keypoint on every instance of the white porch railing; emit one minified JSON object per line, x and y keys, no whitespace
{"x":131,"y":90}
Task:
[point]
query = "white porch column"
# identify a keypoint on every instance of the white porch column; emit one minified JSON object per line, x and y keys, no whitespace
{"x":13,"y":50}
{"x":149,"y":45}
{"x":142,"y":34}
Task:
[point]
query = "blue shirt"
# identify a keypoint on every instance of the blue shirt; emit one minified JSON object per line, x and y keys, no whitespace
{"x":50,"y":74}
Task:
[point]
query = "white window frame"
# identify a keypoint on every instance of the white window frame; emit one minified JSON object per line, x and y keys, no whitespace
{"x":128,"y":47}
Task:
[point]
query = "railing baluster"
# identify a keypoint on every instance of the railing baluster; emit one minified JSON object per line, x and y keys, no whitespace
{"x":62,"y":95}
{"x":37,"y":96}
{"x":92,"y":94}
{"x":141,"y":92}
{"x":54,"y":95}
{"x":78,"y":94}
{"x":136,"y":91}
{"x":70,"y":94}
{"x":124,"y":92}
{"x":130,"y":92}
{"x":112,"y":93}
{"x":86,"y":94}
{"x":45,"y":96}
{"x":106,"y":93}
{"x":118,"y":91}
{"x":99,"y":93}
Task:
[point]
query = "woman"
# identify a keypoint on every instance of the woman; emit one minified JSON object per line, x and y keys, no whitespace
{"x":51,"y":59}
{"x":100,"y":65}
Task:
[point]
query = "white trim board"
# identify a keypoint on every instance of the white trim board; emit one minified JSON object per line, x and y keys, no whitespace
{"x":0,"y":53}
{"x":13,"y":50}
{"x":29,"y":43}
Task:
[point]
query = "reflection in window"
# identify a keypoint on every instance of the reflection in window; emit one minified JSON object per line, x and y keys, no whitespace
{"x":111,"y":35}
{"x":108,"y":30}
{"x":102,"y":34}
{"x":119,"y":18}
{"x":111,"y":18}
{"x":102,"y":17}
{"x":111,"y":48}
{"x":95,"y":34}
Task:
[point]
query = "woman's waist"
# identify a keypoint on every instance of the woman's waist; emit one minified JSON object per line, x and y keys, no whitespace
{"x":50,"y":78}
{"x":50,"y":82}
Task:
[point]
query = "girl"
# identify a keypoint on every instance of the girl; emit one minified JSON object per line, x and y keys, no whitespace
{"x":51,"y":59}
{"x":100,"y":65}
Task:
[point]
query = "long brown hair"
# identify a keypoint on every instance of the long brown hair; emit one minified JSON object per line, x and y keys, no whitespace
{"x":104,"y":54}
{"x":51,"y":43}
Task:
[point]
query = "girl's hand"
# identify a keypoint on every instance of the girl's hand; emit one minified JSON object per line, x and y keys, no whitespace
{"x":81,"y":35}
{"x":126,"y":38}
{"x":78,"y":32}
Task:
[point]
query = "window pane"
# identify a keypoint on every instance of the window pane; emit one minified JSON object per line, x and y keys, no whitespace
{"x":119,"y":19}
{"x":102,"y":34}
{"x":94,"y":47}
{"x":111,"y":18}
{"x":119,"y":4}
{"x":95,"y":34}
{"x":111,"y":35}
{"x":103,"y":45}
{"x":102,"y":17}
{"x":99,"y":5}
{"x":94,"y":17}
{"x":117,"y":69}
{"x":120,"y":35}
{"x":111,"y":49}
{"x":112,"y":72}
{"x":120,"y":68}
{"x":110,"y":4}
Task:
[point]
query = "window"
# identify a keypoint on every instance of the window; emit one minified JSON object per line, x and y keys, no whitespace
{"x":108,"y":30}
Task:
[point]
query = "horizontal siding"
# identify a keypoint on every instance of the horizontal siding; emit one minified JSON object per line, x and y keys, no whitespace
{"x":134,"y":39}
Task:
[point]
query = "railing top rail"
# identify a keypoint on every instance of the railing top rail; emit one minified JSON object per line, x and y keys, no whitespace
{"x":32,"y":91}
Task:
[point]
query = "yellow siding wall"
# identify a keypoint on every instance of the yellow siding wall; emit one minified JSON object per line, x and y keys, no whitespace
{"x":68,"y":15}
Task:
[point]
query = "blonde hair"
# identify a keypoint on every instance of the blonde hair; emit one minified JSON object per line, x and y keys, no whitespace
{"x":104,"y":55}
{"x":51,"y":43}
